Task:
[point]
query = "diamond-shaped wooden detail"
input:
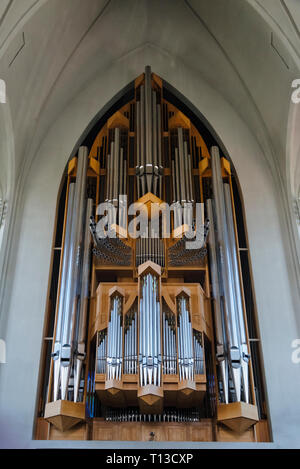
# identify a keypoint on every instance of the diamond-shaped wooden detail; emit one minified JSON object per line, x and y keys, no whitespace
{"x":64,"y":414}
{"x":150,"y":399}
{"x":238,"y":416}
{"x":186,"y":387}
{"x":113,"y":386}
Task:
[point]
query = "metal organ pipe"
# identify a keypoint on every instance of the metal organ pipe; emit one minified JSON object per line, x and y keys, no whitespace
{"x":148,"y":127}
{"x":245,"y":356}
{"x":57,"y":346}
{"x":169,"y":344}
{"x":116,"y":175}
{"x":115,"y":339}
{"x":233,"y":319}
{"x":84,"y":295}
{"x":220,"y":332}
{"x":130,"y":347}
{"x":150,"y":335}
{"x":101,"y":352}
{"x":72,"y":281}
{"x":185,"y":346}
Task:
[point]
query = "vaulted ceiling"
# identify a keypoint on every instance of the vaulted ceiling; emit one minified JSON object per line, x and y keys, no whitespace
{"x":248,"y":50}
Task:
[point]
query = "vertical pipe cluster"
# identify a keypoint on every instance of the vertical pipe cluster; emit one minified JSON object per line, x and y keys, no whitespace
{"x":116,"y":174}
{"x":198,"y":353}
{"x":101,"y":352}
{"x":69,"y":345}
{"x":149,"y":168}
{"x":150,"y":249}
{"x":115,"y":339}
{"x":130,"y":342}
{"x":185,"y":340}
{"x":150,"y":332}
{"x":169,"y":343}
{"x":232,"y":350}
{"x":182,"y":172}
{"x":80,"y":352}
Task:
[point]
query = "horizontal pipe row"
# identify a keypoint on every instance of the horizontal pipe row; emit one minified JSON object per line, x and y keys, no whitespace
{"x":134,"y":415}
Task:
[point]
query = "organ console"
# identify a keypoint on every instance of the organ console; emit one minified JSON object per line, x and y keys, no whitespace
{"x":151,"y":323}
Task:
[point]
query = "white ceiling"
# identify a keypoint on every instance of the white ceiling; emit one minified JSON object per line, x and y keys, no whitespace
{"x":248,"y":50}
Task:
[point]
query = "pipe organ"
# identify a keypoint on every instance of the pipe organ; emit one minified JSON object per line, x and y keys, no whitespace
{"x":150,"y":325}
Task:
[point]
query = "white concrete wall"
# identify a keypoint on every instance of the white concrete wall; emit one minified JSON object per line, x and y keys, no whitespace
{"x":25,"y":314}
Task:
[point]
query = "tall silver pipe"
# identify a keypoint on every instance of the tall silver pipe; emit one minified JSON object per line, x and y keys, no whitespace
{"x":57,"y":345}
{"x":154,"y":144}
{"x":116,"y":164}
{"x":69,"y":319}
{"x":141,"y":329}
{"x":186,"y":172}
{"x":181,"y":165}
{"x":108,"y":171}
{"x":164,"y":343}
{"x":111,"y":171}
{"x":159,"y":153}
{"x":84,"y":295}
{"x":238,"y":293}
{"x":177,"y":173}
{"x":220,"y":333}
{"x":120,"y":176}
{"x":138,"y":133}
{"x":148,"y":109}
{"x":230,"y":316}
{"x":190,"y":178}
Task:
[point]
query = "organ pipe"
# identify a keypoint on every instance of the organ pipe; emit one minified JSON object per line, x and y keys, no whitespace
{"x":233,"y":319}
{"x":185,"y":341}
{"x":149,"y":168}
{"x":169,"y":343}
{"x":84,"y":296}
{"x":115,"y":339}
{"x":130,"y":346}
{"x":68,"y":309}
{"x":150,"y":332}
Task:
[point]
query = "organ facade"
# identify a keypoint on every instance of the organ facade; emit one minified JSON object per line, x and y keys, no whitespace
{"x":151,"y":329}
